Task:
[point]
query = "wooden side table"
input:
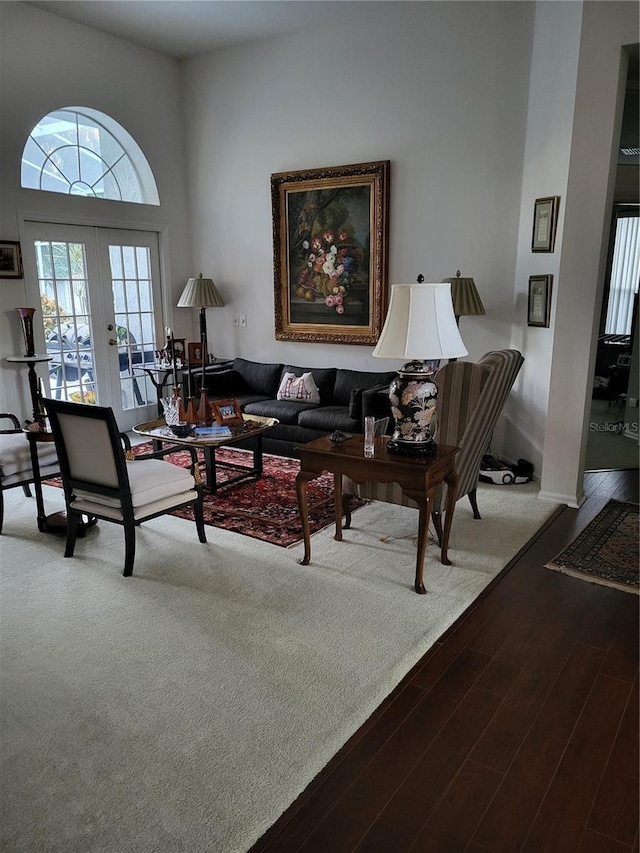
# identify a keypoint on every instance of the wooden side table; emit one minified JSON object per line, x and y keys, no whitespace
{"x":159,"y":376}
{"x":417,"y":477}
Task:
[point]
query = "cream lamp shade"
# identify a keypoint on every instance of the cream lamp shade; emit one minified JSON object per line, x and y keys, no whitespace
{"x":420,"y":324}
{"x":200,"y":293}
{"x":420,"y":329}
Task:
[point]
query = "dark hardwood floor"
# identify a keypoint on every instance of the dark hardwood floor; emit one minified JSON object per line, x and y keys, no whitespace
{"x":518,"y":731}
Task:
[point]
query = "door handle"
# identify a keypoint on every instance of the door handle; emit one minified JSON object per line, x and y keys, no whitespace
{"x":113,"y":342}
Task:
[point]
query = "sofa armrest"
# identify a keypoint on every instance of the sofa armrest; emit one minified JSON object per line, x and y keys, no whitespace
{"x":14,"y":420}
{"x":375,"y":403}
{"x":224,"y":383}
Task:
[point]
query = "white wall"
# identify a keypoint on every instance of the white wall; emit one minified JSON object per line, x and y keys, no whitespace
{"x":47,"y":63}
{"x":554,"y":69}
{"x":439,"y":89}
{"x":591,"y":179}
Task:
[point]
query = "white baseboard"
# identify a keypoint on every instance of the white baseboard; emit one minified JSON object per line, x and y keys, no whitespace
{"x":574,"y":501}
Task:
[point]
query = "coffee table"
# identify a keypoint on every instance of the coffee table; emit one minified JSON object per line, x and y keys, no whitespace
{"x":252,"y":430}
{"x":417,"y":476}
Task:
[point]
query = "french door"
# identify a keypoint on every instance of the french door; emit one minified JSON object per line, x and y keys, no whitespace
{"x":100,"y":298}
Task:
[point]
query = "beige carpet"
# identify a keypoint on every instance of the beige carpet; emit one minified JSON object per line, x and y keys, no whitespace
{"x":183,"y":709}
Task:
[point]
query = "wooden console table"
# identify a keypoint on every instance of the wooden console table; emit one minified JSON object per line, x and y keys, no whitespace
{"x":417,"y":477}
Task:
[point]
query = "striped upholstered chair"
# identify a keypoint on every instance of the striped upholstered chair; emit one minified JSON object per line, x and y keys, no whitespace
{"x":470,"y":400}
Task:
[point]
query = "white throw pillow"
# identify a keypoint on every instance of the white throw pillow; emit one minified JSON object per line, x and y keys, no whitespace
{"x":299,"y":389}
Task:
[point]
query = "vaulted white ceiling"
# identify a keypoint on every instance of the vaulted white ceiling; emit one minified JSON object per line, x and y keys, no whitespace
{"x":183,"y":28}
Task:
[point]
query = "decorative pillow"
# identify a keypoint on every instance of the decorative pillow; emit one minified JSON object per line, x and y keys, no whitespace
{"x":299,"y":389}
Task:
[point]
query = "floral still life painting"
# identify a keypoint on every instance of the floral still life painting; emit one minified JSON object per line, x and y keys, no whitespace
{"x":330,"y":236}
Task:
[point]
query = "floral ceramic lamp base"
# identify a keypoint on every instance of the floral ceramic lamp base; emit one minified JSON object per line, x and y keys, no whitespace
{"x":413,"y":395}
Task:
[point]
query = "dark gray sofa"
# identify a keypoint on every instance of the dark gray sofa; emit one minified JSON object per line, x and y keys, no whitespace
{"x":346,"y":398}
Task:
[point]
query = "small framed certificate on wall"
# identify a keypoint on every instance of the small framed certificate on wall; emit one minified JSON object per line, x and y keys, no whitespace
{"x":545,"y":221}
{"x":539,"y":302}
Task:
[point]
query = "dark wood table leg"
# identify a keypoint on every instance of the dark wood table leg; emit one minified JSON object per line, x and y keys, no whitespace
{"x":346,"y":506}
{"x":337,"y":496}
{"x":35,"y":393}
{"x":424,"y":505}
{"x":209,"y":453}
{"x":302,"y":478}
{"x":258,"y":461}
{"x":37,"y":486}
{"x":452,"y":494}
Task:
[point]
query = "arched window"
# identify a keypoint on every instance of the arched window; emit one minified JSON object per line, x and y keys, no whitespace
{"x":80,"y":151}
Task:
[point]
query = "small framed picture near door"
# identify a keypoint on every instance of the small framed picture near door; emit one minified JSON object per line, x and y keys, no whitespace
{"x":545,"y":221}
{"x":539,"y":312}
{"x":195,"y":354}
{"x":10,"y":259}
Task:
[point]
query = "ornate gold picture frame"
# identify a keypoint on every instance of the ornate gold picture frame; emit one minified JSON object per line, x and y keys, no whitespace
{"x":330,"y":236}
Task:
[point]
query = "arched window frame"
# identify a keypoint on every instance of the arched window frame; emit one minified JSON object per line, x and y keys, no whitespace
{"x":146,"y":183}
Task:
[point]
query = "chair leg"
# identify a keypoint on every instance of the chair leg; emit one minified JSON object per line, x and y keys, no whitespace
{"x":474,"y":504}
{"x":1,"y":509}
{"x":129,"y":549}
{"x":198,"y":512}
{"x":436,"y":518}
{"x":72,"y":532}
{"x":27,"y":491}
{"x":346,"y":507}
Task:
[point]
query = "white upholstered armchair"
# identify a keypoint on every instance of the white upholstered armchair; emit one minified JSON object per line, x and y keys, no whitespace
{"x":100,"y":480}
{"x":15,"y":460}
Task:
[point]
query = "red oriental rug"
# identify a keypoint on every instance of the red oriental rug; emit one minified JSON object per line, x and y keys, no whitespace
{"x":265,"y":507}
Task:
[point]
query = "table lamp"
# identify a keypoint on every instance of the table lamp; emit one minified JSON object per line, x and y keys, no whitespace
{"x":420,"y":328}
{"x":202,"y":293}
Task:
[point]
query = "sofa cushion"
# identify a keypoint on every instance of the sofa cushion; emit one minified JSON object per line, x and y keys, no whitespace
{"x":328,"y":419}
{"x":15,"y":454}
{"x":258,"y":378}
{"x":245,"y":400}
{"x":347,"y":380}
{"x":324,"y":378}
{"x":151,"y":480}
{"x":285,"y":411}
{"x":299,"y":389}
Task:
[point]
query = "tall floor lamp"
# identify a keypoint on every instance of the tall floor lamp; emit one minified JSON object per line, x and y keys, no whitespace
{"x":202,"y":293}
{"x":465,"y":297}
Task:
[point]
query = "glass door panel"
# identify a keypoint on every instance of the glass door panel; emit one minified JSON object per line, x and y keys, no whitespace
{"x":66,"y":317}
{"x":133,"y":272}
{"x":97,"y":289}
